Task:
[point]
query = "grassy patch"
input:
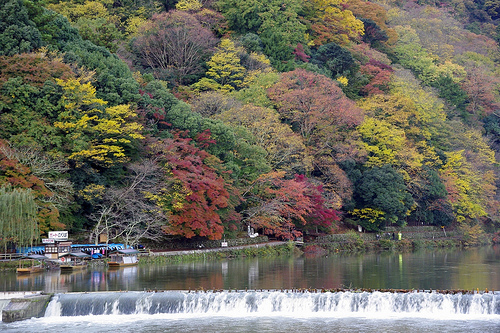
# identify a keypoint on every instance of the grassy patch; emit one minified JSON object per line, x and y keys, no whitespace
{"x":257,"y":251}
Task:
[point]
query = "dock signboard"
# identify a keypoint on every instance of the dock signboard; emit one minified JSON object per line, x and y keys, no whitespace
{"x":58,"y":235}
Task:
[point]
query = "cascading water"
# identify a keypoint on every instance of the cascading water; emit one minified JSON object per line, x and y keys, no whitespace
{"x":277,"y":303}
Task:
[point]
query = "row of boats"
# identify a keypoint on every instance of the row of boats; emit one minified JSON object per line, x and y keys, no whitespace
{"x":75,"y":261}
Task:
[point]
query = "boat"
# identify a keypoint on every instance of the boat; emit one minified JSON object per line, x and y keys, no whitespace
{"x":123,"y":258}
{"x":34,"y":268}
{"x":73,"y":261}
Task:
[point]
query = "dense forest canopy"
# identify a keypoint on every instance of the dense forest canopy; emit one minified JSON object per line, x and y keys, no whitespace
{"x":200,"y":118}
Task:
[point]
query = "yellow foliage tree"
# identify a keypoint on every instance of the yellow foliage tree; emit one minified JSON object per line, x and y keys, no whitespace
{"x":191,"y":5}
{"x":331,"y":23}
{"x":95,"y":133}
{"x":373,"y":216}
{"x":464,"y":187}
{"x":75,"y":11}
{"x":225,"y":66}
{"x":376,"y":13}
{"x":416,"y":111}
{"x":285,"y":149}
{"x":387,"y":144}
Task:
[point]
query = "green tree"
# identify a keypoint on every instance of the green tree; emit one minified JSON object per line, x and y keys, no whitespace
{"x":336,"y":59}
{"x":18,"y":33}
{"x":27,"y":114}
{"x":100,"y":32}
{"x":383,"y":189}
{"x":433,"y":206}
{"x":276,"y":22}
{"x":18,"y":222}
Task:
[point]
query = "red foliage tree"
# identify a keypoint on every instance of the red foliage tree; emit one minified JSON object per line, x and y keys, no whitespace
{"x":379,"y":75}
{"x":300,"y":53}
{"x":321,"y":215}
{"x":317,"y":108}
{"x":34,"y":68}
{"x":479,"y":85}
{"x":285,"y":206}
{"x":212,"y":20}
{"x":198,"y":192}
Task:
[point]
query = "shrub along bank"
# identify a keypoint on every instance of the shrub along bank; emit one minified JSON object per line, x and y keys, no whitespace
{"x":176,"y":244}
{"x":411,"y":239}
{"x":261,"y":250}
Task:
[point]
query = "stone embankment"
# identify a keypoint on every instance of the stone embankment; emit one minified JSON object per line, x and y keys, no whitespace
{"x":24,"y":305}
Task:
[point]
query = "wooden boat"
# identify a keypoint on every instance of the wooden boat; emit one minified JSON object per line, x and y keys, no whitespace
{"x":30,"y":270}
{"x":123,"y":258}
{"x":74,"y":261}
{"x":73,"y":267}
{"x":33,"y":268}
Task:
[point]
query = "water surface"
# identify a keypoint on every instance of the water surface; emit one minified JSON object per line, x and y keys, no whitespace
{"x":265,"y":307}
{"x":472,"y":269}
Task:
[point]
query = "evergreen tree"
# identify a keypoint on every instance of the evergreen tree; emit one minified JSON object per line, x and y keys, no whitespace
{"x":18,"y":33}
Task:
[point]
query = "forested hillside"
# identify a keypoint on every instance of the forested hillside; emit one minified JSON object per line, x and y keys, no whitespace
{"x":199,"y":118}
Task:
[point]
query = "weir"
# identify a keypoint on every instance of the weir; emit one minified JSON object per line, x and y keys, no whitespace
{"x":276,"y":303}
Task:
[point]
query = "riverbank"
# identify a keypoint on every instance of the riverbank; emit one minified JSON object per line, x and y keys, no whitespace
{"x":267,"y":249}
{"x":264,"y":249}
{"x":412,"y":238}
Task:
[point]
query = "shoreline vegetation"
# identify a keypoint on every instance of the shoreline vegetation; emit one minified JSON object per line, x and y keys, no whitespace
{"x":413,"y":238}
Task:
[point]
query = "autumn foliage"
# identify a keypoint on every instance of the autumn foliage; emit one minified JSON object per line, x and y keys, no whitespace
{"x":288,"y":116}
{"x":287,"y":205}
{"x":196,"y":193}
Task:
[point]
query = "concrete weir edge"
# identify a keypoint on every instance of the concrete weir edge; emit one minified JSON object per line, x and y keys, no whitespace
{"x":29,"y":306}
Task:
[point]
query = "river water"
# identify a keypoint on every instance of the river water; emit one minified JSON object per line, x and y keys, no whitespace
{"x":275,"y":295}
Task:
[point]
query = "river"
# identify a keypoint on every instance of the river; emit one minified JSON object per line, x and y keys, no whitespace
{"x":282,"y":294}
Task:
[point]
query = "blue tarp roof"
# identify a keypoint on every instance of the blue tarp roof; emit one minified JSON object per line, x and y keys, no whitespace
{"x":41,"y":249}
{"x":111,"y":246}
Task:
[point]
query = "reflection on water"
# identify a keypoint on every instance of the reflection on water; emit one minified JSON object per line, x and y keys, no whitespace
{"x":424,"y":270}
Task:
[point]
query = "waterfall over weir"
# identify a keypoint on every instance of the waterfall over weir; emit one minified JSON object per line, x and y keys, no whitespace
{"x":278,"y":303}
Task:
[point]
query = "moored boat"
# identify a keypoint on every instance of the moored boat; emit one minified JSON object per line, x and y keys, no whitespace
{"x":71,"y":262}
{"x":30,"y":270}
{"x":36,"y":264}
{"x":123,"y":258}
